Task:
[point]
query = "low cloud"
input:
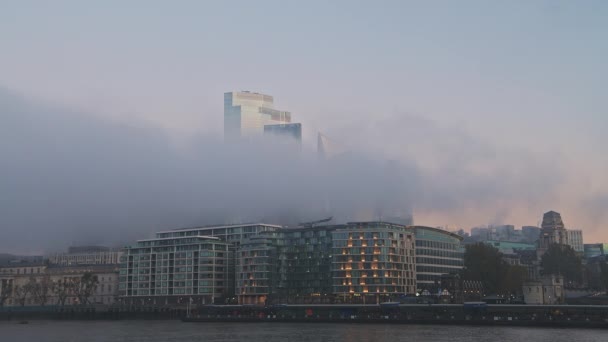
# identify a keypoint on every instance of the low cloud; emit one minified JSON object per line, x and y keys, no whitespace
{"x":71,"y":178}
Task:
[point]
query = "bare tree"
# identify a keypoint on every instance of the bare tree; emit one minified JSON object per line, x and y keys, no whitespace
{"x":6,"y":290}
{"x":62,"y":288}
{"x":21,"y":292}
{"x":85,"y":286}
{"x":42,"y":290}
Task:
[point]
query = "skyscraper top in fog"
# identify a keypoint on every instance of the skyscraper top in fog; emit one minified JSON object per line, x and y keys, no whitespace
{"x":246,"y":113}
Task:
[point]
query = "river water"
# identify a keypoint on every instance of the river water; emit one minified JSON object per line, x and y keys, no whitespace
{"x":123,"y":331}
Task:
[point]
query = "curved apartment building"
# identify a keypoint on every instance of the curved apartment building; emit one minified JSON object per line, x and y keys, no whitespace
{"x":438,"y":252}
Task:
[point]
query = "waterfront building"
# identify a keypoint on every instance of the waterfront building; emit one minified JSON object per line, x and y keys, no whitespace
{"x":438,"y":252}
{"x":246,"y":113}
{"x":305,"y":264}
{"x":288,"y":266}
{"x":354,"y":262}
{"x":16,"y":282}
{"x":103,"y":290}
{"x":175,"y":269}
{"x":41,"y":284}
{"x":195,"y":265}
{"x":256,"y":269}
{"x":373,"y":262}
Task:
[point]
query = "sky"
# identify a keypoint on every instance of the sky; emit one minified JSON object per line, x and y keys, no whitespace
{"x":494,"y":112}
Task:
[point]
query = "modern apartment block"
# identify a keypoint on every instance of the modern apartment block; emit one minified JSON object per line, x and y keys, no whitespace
{"x":356,"y":262}
{"x":438,"y":252}
{"x":194,"y":264}
{"x":373,"y":262}
{"x":166,"y":270}
{"x":353,"y":263}
{"x":291,"y":265}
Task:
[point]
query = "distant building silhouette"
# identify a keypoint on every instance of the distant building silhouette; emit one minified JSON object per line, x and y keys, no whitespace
{"x":328,"y":148}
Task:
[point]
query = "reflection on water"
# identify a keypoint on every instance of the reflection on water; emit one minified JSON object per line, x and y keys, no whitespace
{"x":270,"y":332}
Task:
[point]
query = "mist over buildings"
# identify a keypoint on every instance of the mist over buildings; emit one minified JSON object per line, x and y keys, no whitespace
{"x":72,"y":178}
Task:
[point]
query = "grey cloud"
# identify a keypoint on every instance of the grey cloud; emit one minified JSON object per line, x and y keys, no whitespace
{"x":455,"y":171}
{"x":70,"y":178}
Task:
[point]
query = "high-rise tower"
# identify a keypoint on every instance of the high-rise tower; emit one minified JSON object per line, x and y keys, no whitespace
{"x":246,"y":114}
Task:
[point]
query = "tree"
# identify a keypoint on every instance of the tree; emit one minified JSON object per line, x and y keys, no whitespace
{"x":62,"y":288}
{"x":484,"y":263}
{"x":42,"y":290}
{"x":21,"y":292}
{"x":85,"y":286}
{"x":514,"y":279}
{"x":563,"y":260}
{"x":6,"y":290}
{"x":604,"y":275}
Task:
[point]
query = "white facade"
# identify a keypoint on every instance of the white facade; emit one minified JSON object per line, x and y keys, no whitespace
{"x":246,"y":113}
{"x":56,"y":286}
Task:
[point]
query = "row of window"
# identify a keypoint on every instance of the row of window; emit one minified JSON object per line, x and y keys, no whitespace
{"x":438,"y":244}
{"x":436,"y":269}
{"x":439,"y":261}
{"x":440,"y":253}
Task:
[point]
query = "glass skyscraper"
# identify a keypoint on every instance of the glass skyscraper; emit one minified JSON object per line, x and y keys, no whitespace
{"x":246,"y":113}
{"x":291,"y":131}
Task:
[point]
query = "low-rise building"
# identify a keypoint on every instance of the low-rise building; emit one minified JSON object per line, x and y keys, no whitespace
{"x":547,"y":290}
{"x":42,"y":285}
